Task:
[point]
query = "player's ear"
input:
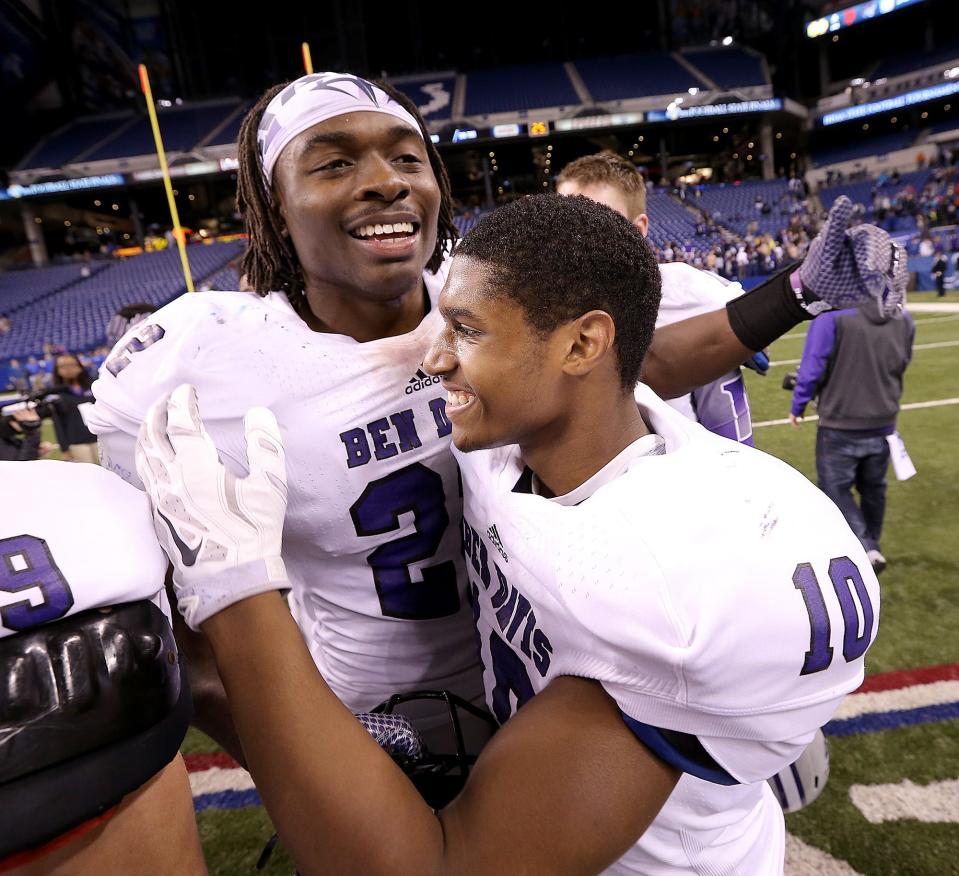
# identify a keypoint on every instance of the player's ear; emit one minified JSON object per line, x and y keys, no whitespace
{"x":590,"y":340}
{"x":642,"y":223}
{"x":279,"y":208}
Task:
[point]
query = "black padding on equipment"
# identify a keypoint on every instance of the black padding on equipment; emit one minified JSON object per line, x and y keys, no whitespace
{"x":142,"y":711}
{"x":81,"y":683}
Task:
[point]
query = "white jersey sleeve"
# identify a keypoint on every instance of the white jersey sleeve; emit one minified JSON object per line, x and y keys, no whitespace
{"x":713,"y":591}
{"x":377,"y":585}
{"x":177,"y":344}
{"x":688,"y":292}
{"x":78,"y":538}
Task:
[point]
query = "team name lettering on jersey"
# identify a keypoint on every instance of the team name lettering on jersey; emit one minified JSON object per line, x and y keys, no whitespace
{"x":391,"y":435}
{"x":514,"y":614}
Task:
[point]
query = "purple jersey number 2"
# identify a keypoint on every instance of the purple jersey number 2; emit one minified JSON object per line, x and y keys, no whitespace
{"x":27,"y":564}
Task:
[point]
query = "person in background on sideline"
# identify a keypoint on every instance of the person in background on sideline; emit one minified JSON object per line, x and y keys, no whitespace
{"x":71,"y":383}
{"x":854,"y":360}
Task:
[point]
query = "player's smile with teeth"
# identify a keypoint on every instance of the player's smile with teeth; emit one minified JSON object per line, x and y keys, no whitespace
{"x":457,"y":399}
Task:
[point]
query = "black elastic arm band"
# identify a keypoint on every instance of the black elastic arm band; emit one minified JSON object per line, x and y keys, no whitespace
{"x":767,"y":312}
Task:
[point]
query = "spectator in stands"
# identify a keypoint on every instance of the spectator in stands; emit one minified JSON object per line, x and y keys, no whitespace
{"x":71,"y":383}
{"x":35,"y":373}
{"x":926,"y":247}
{"x":4,"y":324}
{"x":854,"y":361}
{"x":17,"y":377}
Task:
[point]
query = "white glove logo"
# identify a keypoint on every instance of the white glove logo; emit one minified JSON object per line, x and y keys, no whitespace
{"x":235,"y":524}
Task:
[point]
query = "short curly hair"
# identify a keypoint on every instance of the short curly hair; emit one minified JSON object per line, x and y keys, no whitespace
{"x":608,"y":168}
{"x":559,"y":257}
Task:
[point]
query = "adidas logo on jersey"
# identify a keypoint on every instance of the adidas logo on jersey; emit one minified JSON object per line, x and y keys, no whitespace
{"x":419,"y":381}
{"x":494,"y":537}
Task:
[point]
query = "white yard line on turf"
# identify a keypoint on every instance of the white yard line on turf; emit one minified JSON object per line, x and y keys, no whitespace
{"x":935,"y":803}
{"x":931,"y":346}
{"x":796,"y":335}
{"x":910,"y":407}
{"x":803,"y":859}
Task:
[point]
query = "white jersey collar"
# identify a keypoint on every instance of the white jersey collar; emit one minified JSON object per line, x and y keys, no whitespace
{"x":647,"y":445}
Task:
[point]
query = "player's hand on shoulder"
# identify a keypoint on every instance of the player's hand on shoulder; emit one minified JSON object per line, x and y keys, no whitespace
{"x":222,"y":533}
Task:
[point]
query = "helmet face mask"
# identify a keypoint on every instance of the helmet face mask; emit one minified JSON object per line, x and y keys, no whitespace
{"x":438,"y":776}
{"x":800,"y":784}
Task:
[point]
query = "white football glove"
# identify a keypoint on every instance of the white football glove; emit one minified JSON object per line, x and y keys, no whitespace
{"x":222,"y":533}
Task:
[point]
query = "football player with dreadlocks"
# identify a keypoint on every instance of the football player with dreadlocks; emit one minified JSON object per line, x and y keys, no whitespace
{"x":349,"y":215}
{"x":646,"y":690}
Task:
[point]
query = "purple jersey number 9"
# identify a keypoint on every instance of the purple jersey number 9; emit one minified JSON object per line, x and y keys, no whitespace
{"x":27,"y":564}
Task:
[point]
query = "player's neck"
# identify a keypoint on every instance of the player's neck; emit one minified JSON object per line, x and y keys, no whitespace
{"x":340,"y":311}
{"x":592,"y":436}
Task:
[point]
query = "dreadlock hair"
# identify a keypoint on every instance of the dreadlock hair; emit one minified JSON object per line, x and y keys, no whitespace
{"x":270,"y":261}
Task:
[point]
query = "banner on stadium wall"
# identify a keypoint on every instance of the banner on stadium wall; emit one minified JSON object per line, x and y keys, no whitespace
{"x":584,"y":123}
{"x":59,"y":186}
{"x":920,"y":95}
{"x":674,"y":111}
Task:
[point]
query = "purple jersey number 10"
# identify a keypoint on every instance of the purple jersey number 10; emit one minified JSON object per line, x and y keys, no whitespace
{"x":27,"y":564}
{"x":845,"y":578}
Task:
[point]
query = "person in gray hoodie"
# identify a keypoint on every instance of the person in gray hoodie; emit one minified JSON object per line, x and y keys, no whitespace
{"x":854,"y":360}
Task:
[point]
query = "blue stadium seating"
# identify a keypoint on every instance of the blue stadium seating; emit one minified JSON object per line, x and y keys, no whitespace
{"x":916,"y":61}
{"x":231,"y":131}
{"x":226,"y":279}
{"x":728,"y":68}
{"x":507,"y":89}
{"x":631,"y":76}
{"x":860,"y":192}
{"x":671,"y":222}
{"x":736,"y":205}
{"x":20,"y":289}
{"x":182,"y":129}
{"x":76,"y":314}
{"x":465,"y":221}
{"x":865,"y":148}
{"x":64,"y":146}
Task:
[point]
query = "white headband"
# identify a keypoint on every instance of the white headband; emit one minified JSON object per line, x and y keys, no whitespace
{"x":312,"y":99}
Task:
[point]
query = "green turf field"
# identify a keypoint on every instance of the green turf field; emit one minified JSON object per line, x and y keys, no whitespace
{"x":919,"y":627}
{"x":919,"y":623}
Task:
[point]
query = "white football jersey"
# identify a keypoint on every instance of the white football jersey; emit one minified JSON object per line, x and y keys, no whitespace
{"x":73,"y":537}
{"x":722,"y":406}
{"x":378,"y":588}
{"x":719,"y":597}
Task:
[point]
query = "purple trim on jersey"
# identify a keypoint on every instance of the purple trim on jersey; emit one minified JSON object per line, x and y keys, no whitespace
{"x":722,"y":407}
{"x":692,"y":758}
{"x":820,"y":340}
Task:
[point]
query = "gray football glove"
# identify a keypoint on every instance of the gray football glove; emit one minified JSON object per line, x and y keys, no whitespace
{"x":847,"y":266}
